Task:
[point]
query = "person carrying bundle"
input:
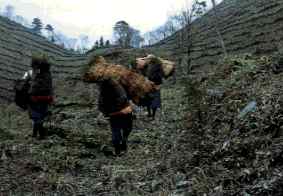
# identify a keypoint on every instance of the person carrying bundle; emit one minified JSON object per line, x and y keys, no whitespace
{"x":155,"y":69}
{"x":114,"y":103}
{"x":118,"y":86}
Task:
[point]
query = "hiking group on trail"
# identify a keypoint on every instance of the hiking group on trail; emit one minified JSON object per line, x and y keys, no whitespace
{"x":119,"y":88}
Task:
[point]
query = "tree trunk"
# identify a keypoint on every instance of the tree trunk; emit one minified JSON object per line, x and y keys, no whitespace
{"x":217,"y":28}
{"x":189,"y":46}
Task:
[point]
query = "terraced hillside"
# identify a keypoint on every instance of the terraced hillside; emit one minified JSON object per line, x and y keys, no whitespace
{"x":218,"y":133}
{"x":248,"y":26}
{"x":17,"y":44}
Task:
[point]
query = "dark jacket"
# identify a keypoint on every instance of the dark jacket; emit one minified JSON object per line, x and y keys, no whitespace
{"x":41,"y":89}
{"x":154,"y":73}
{"x":41,"y":84}
{"x":112,"y":97}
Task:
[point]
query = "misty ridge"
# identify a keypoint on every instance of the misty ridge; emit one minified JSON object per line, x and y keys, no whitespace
{"x":78,"y":44}
{"x":83,"y":43}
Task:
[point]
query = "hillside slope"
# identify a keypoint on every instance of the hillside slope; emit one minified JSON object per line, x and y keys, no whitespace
{"x":218,"y":133}
{"x":202,"y":142}
{"x":247,"y":26}
{"x":17,"y":45}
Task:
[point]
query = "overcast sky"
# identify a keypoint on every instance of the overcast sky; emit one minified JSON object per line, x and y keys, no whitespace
{"x":95,"y":17}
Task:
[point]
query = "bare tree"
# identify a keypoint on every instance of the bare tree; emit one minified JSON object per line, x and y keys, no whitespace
{"x":49,"y":28}
{"x":122,"y":33}
{"x":216,"y":18}
{"x":187,"y":16}
{"x":137,"y":39}
{"x":101,"y":42}
{"x":9,"y":11}
{"x":152,"y":37}
{"x":126,"y":36}
{"x":162,"y":32}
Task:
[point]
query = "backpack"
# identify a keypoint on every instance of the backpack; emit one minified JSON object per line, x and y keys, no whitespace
{"x":21,"y":88}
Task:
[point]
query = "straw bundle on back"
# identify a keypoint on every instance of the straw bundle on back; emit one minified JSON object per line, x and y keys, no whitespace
{"x":137,"y":86}
{"x":168,"y":67}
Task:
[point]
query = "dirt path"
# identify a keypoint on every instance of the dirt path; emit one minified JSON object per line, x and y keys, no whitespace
{"x":202,"y":143}
{"x":70,"y":159}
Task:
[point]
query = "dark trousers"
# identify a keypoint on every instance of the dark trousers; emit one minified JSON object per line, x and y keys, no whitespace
{"x":121,"y":127}
{"x":156,"y":100}
{"x":154,"y":103}
{"x":38,"y":112}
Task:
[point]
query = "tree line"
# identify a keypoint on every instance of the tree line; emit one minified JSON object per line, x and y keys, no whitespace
{"x":126,"y":36}
{"x":48,"y":31}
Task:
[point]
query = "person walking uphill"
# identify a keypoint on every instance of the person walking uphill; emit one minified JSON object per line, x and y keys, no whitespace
{"x":154,"y":72}
{"x":114,"y":103}
{"x":40,"y":93}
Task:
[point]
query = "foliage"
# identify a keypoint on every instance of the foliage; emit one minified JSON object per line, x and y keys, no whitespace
{"x":126,"y":36}
{"x":50,"y":31}
{"x":96,"y":44}
{"x":101,"y":42}
{"x":37,"y":25}
{"x":122,"y":33}
{"x":9,"y":11}
{"x":195,"y":147}
{"x":48,"y":27}
{"x":240,"y":66}
{"x":176,"y":22}
{"x":107,"y":44}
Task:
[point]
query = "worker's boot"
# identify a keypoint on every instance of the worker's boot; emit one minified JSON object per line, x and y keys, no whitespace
{"x":117,"y":148}
{"x":42,"y":132}
{"x":35,"y":130}
{"x":124,"y":145}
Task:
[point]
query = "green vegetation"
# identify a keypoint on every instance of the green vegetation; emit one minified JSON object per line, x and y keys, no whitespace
{"x":196,"y":146}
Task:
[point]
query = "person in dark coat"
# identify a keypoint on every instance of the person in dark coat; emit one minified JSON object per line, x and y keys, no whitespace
{"x":114,"y":103}
{"x":154,"y":72}
{"x":40,"y":93}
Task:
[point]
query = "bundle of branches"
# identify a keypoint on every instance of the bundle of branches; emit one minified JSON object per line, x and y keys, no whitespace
{"x":137,"y":86}
{"x":168,"y":67}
